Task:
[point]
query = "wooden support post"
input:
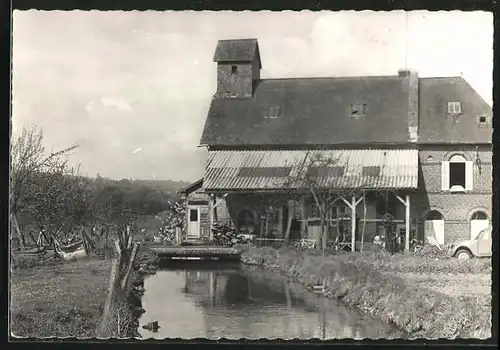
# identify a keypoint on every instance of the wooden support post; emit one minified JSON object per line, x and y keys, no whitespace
{"x":303,"y":223}
{"x":280,"y":221}
{"x":406,"y":203}
{"x":353,"y":223}
{"x":407,"y":224}
{"x":177,"y":235}
{"x":288,"y":224}
{"x":211,"y":209}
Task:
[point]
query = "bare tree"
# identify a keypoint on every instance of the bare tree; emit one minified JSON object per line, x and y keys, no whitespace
{"x":32,"y":168}
{"x":314,"y":177}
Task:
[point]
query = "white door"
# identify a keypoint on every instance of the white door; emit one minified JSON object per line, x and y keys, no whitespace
{"x":434,"y":231}
{"x":477,"y":226}
{"x":193,"y":230}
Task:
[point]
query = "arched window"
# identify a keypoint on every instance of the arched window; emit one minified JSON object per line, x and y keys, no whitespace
{"x":457,"y":174}
{"x":246,"y":221}
{"x":479,"y":215}
{"x":434,"y":215}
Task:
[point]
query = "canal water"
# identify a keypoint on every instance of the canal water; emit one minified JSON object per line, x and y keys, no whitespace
{"x":229,"y":301}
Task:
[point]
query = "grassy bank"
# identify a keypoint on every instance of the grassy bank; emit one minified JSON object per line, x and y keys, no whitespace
{"x":380,"y":284}
{"x":64,"y":299}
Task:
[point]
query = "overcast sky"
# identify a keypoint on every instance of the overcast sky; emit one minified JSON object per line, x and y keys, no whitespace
{"x":133,"y":88}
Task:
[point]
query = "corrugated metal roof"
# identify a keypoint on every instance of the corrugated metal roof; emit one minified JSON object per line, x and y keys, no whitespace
{"x":397,"y":169}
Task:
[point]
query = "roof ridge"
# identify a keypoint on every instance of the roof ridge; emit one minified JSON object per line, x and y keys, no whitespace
{"x":449,"y":77}
{"x":245,"y":39}
{"x":338,"y":77}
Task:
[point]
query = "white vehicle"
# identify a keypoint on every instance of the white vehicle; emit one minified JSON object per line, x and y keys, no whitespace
{"x":479,"y":247}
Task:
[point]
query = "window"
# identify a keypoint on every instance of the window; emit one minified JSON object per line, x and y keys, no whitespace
{"x":454,"y":108}
{"x":456,"y":174}
{"x":273,"y":112}
{"x":482,"y":119}
{"x":358,"y":109}
{"x":193,"y":215}
{"x":234,"y":69}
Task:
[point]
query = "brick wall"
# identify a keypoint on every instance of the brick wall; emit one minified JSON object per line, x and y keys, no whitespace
{"x":456,"y":208}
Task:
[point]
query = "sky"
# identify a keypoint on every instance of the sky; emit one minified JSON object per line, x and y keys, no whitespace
{"x":132,"y":89}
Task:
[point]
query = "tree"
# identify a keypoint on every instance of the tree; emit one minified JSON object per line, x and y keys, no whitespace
{"x":313,"y":177}
{"x":28,"y":161}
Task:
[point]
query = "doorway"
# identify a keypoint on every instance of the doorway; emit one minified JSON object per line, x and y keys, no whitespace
{"x":434,"y":227}
{"x":478,"y":222}
{"x":193,"y":231}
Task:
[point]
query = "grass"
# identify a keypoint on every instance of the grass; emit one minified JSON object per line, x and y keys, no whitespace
{"x":382,"y":285}
{"x":59,"y":300}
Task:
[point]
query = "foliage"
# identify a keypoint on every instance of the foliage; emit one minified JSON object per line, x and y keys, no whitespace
{"x":225,"y":235}
{"x":50,"y":195}
{"x":32,"y":170}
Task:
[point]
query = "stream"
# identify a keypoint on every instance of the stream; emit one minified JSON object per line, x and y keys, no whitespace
{"x":221,"y":300}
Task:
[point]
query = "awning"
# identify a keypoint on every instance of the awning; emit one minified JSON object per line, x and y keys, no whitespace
{"x":287,"y":169}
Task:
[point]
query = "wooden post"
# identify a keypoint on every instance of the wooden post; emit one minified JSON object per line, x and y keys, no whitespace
{"x":303,"y":223}
{"x":406,"y":203}
{"x":211,"y":209}
{"x":130,"y":264}
{"x":115,"y":273}
{"x":280,"y":221}
{"x":407,"y":224}
{"x":353,"y":223}
{"x":177,"y":235}
{"x":288,"y":225}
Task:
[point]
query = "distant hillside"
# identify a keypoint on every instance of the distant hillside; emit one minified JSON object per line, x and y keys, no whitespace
{"x":167,"y":186}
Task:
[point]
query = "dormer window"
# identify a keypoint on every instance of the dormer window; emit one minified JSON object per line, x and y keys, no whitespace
{"x":273,"y":112}
{"x":234,"y":69}
{"x":358,"y":109}
{"x":454,"y":108}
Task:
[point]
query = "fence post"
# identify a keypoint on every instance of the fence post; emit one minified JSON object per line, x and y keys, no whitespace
{"x":129,"y":267}
{"x":113,"y":281}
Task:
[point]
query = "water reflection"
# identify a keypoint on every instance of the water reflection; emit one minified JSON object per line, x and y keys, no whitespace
{"x":232,"y":303}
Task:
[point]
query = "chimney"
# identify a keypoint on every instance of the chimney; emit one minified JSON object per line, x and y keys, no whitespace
{"x":412,"y":81}
{"x":238,"y":68}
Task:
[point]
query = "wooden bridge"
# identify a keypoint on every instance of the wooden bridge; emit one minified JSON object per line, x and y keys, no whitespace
{"x":196,"y":253}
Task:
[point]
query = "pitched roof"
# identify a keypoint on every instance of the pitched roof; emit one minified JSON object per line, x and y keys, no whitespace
{"x":237,"y":50}
{"x":437,"y":126}
{"x":312,"y":111}
{"x":318,"y":111}
{"x":191,"y":187}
